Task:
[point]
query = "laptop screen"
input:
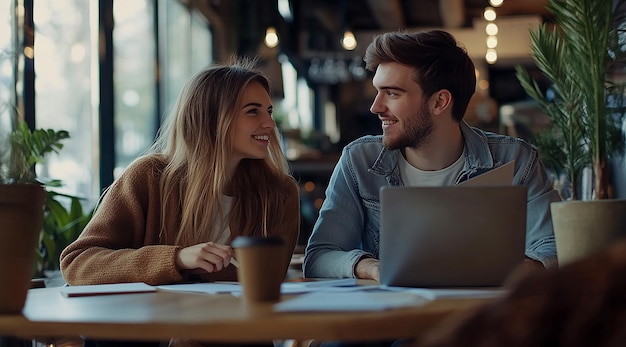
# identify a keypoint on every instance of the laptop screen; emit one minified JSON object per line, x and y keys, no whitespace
{"x":459,"y":236}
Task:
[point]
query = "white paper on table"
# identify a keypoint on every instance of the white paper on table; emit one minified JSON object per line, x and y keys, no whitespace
{"x":335,"y":285}
{"x":451,"y":293}
{"x":107,"y":289}
{"x":206,"y":288}
{"x":297,"y":290}
{"x":307,"y":285}
{"x":349,"y":301}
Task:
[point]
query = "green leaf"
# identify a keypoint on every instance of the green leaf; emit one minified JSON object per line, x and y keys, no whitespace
{"x":64,"y":220}
{"x":29,"y":148}
{"x":588,"y":109}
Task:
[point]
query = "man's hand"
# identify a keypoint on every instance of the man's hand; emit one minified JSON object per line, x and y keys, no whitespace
{"x":367,"y":268}
{"x":210,"y":256}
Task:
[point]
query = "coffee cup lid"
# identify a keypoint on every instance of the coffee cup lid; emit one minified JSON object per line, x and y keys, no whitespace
{"x":249,"y":241}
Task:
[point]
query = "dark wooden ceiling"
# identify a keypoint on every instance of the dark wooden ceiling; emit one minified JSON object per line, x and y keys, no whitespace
{"x":372,"y":15}
{"x":317,"y":24}
{"x":321,"y":21}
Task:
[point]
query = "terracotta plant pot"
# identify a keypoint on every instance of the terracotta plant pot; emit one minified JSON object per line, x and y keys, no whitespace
{"x":21,"y":219}
{"x":584,"y":227}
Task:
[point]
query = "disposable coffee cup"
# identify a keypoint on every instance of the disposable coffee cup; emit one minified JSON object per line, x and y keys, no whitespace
{"x":261,"y":266}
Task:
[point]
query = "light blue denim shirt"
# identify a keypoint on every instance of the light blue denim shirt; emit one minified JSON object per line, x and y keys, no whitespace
{"x":347,"y":228}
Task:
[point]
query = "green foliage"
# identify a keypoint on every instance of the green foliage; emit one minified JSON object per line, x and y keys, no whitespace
{"x":28,"y":148}
{"x":61,"y":226}
{"x":21,"y":150}
{"x":64,"y":217}
{"x":578,"y":56}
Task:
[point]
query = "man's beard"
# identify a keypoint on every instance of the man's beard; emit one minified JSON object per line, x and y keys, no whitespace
{"x":415,"y":133}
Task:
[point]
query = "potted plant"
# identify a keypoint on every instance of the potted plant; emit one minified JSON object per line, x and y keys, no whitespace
{"x":580,"y":55}
{"x":22,"y":201}
{"x":64,"y":217}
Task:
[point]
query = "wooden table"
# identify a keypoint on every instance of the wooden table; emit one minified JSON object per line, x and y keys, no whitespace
{"x":224,"y":317}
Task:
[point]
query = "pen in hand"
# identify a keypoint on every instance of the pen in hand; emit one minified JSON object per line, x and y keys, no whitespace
{"x":234,"y":262}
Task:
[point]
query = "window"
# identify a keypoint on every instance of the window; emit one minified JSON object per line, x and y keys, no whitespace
{"x":134,"y":61}
{"x":7,"y":81}
{"x":154,"y":53}
{"x":66,"y":80}
{"x":185,"y":50}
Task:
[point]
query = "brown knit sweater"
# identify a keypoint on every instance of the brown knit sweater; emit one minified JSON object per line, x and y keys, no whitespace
{"x":121,"y":242}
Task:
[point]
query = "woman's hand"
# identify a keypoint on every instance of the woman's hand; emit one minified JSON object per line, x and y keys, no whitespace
{"x":210,"y":256}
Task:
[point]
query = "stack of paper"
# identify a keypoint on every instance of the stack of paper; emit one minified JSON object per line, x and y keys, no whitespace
{"x":451,"y":293}
{"x":353,"y":301}
{"x":107,"y":289}
{"x":290,"y":287}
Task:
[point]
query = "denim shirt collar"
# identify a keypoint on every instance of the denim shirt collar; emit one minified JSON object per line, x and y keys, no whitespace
{"x":478,"y":157}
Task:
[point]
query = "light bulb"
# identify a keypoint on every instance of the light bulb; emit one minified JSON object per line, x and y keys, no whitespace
{"x":492,"y":56}
{"x":348,"y":41}
{"x":491,"y":29}
{"x":489,"y":14}
{"x":271,"y":37}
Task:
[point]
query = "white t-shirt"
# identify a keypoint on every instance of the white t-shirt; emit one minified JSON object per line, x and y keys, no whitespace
{"x":412,"y":176}
{"x":223,"y":236}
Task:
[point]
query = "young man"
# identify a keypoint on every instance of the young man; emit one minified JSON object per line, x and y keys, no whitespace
{"x":424,"y":82}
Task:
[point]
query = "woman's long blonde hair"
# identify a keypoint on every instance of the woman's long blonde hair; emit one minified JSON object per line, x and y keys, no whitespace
{"x":196,"y":143}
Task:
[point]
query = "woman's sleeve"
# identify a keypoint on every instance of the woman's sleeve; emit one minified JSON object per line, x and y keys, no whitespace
{"x":121,"y":241}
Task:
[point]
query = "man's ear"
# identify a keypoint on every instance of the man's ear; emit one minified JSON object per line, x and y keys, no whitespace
{"x":441,"y":101}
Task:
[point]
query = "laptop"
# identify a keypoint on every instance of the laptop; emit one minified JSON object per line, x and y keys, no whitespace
{"x":456,"y":236}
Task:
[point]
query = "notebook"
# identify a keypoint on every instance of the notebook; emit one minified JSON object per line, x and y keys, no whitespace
{"x":459,"y":236}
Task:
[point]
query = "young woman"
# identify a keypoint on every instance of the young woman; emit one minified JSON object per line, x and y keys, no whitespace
{"x":216,"y":171}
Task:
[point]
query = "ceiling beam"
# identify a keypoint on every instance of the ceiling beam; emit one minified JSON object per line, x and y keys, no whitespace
{"x":452,"y":13}
{"x":327,"y":17}
{"x":388,"y":14}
